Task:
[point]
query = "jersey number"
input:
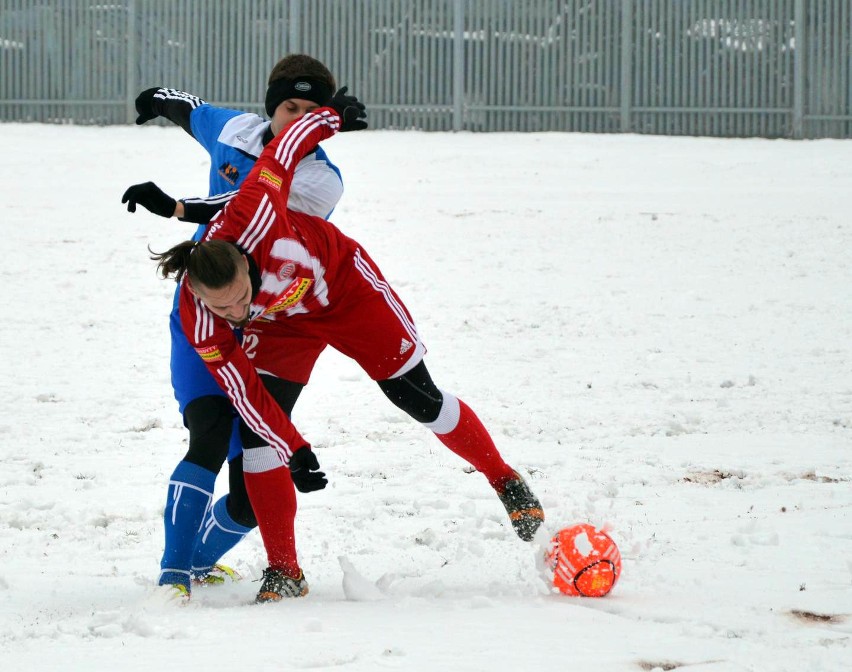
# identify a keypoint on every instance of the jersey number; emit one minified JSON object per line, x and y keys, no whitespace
{"x":250,"y":342}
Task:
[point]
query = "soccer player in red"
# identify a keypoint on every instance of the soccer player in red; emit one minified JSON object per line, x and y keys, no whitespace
{"x":289,"y":280}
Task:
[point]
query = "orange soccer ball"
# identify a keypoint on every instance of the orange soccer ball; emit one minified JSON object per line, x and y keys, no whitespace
{"x":584,"y":561}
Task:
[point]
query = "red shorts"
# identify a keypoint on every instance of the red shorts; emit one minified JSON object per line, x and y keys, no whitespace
{"x":365,"y":320}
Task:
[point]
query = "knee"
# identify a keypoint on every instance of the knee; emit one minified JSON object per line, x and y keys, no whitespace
{"x":415,"y":393}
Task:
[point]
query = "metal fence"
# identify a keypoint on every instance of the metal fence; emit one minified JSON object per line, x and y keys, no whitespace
{"x":771,"y":68}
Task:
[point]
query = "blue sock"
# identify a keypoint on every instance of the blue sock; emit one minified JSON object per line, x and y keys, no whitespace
{"x":219,"y":534}
{"x":190,"y":494}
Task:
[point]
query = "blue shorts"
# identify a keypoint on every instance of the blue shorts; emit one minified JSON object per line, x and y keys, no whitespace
{"x":191,"y":379}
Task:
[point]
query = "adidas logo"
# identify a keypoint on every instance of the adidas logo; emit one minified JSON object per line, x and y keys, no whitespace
{"x":405,"y":346}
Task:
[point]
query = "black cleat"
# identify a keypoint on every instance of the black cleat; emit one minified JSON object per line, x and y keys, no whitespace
{"x":523,"y":507}
{"x":277,"y":585}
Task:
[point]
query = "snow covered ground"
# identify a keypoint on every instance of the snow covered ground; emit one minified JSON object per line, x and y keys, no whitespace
{"x":657,"y":331}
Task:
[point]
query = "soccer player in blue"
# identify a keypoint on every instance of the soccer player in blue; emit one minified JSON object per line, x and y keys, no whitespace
{"x":198,"y":531}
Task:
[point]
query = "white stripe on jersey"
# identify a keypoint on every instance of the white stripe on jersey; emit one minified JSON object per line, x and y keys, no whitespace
{"x":175,"y":94}
{"x":212,"y":200}
{"x":383,"y":287}
{"x":203,"y":321}
{"x":235,"y":386}
{"x":295,"y":135}
{"x":260,"y":223}
{"x":297,"y":132}
{"x":292,"y":250}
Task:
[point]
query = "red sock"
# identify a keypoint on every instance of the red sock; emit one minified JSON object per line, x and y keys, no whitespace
{"x":471,"y":441}
{"x":273,"y":498}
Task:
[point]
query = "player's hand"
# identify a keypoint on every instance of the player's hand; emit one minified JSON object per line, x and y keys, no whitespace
{"x":145,"y":106}
{"x":304,"y":471}
{"x":150,"y":197}
{"x":352,"y":112}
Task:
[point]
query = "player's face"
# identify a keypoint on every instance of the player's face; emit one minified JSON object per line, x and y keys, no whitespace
{"x":290,"y":110}
{"x":231,"y":302}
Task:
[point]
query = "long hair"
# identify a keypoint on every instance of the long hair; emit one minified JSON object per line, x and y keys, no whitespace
{"x":212,"y":263}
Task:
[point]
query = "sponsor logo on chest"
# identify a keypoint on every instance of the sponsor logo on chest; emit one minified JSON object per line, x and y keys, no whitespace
{"x":229,"y":173}
{"x":291,"y":296}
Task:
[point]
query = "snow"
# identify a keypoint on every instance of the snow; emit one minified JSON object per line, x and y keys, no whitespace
{"x":657,"y":332}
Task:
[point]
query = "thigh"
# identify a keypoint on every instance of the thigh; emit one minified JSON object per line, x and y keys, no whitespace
{"x":209,"y":420}
{"x":371,"y":324}
{"x":190,"y":377}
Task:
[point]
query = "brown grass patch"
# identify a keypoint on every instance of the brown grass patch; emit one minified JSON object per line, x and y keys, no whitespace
{"x":813,"y":617}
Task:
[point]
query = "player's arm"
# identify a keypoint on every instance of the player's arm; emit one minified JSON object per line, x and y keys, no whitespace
{"x":202,"y":210}
{"x":196,"y":210}
{"x":314,"y":191}
{"x":285,"y":151}
{"x":316,"y":188}
{"x":214,"y":341}
{"x":174,"y":105}
{"x":275,"y":167}
{"x":322,"y":185}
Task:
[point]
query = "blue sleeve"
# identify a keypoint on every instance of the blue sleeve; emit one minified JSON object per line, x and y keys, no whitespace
{"x":207,"y":122}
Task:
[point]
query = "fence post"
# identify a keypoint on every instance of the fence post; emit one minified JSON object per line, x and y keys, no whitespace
{"x":799,"y":70}
{"x":626,"y":62}
{"x":458,"y":65}
{"x":131,"y":79}
{"x":294,"y":21}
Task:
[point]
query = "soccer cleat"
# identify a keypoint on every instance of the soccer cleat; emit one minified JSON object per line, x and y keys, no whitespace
{"x":277,"y":585}
{"x":523,"y":507}
{"x":175,"y":593}
{"x":217,"y":575}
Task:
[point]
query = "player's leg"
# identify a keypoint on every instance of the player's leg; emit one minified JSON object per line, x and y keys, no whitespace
{"x":226,"y":523}
{"x":285,"y":359}
{"x":378,"y":332}
{"x":459,"y":429}
{"x":232,"y":516}
{"x":451,"y":420}
{"x":208,"y":416}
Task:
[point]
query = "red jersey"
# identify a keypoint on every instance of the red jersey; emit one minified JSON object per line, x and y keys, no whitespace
{"x":295,"y":254}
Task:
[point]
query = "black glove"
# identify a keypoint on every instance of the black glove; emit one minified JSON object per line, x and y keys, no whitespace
{"x":145,"y":106}
{"x":151,"y":197}
{"x":351,"y":111}
{"x":303,"y":469}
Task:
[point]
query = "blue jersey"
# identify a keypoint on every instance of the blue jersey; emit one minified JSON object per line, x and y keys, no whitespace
{"x":234,"y":140}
